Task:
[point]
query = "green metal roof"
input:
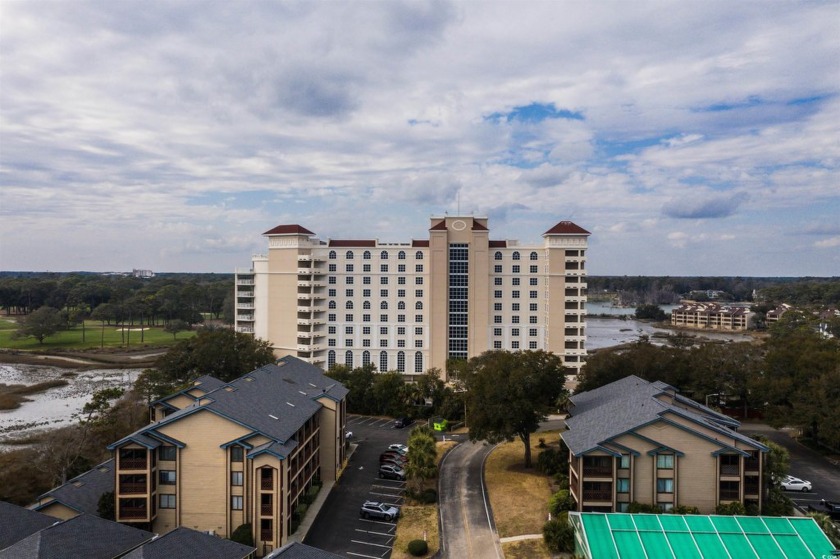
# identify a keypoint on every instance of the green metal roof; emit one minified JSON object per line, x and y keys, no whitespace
{"x":672,"y":536}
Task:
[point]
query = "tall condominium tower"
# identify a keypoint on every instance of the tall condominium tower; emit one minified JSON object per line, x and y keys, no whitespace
{"x":411,"y":306}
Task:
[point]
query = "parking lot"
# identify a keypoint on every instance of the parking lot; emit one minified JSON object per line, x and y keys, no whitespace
{"x":339,"y":528}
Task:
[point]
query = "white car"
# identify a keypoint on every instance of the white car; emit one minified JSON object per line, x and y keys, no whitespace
{"x":791,"y":483}
{"x":401,"y":448}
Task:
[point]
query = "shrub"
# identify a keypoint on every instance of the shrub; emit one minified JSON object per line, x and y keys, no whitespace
{"x":243,"y":535}
{"x":561,"y":501}
{"x":558,"y":534}
{"x":551,"y":461}
{"x":542,"y":443}
{"x":636,"y":508}
{"x":731,"y":509}
{"x":685,"y":509}
{"x":562,"y":480}
{"x":418,"y":548}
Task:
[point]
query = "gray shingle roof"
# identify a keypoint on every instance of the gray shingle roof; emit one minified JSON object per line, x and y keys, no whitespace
{"x":16,"y":523}
{"x":185,"y":542}
{"x":82,"y":493}
{"x":275,"y":400}
{"x":627,"y":404}
{"x":85,"y":536}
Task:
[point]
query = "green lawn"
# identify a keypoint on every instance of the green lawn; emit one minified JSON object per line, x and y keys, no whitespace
{"x":94,"y":336}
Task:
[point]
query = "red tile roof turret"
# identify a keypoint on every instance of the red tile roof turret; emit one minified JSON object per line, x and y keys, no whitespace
{"x":567,"y":228}
{"x":289,"y":230}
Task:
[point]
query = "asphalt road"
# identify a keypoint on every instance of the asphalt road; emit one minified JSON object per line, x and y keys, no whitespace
{"x":805,"y":464}
{"x":467,"y":527}
{"x":338,"y":527}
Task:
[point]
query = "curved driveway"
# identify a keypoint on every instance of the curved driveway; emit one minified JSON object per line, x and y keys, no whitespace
{"x":467,"y":528}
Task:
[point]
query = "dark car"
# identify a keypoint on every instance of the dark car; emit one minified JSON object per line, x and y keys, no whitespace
{"x":374,"y":509}
{"x":391,"y":471}
{"x":401,"y":422}
{"x":392,"y":456}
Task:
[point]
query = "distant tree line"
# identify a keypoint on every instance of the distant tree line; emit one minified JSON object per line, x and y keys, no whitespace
{"x":119,"y":299}
{"x":667,"y":290}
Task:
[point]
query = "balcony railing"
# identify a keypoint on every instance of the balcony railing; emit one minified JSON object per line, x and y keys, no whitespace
{"x":128,"y":488}
{"x":133,"y":512}
{"x":752,"y":465}
{"x":266,"y":509}
{"x":597,"y":495}
{"x":265,"y":535}
{"x":597,"y":471}
{"x":267,"y":483}
{"x":729,"y":495}
{"x":132,"y":463}
{"x":730,"y":470}
{"x":751,"y":489}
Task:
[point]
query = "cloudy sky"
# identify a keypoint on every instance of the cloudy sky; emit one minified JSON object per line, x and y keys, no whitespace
{"x":698,"y":137}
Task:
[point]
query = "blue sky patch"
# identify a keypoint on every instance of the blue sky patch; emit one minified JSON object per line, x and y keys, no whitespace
{"x":535,"y":112}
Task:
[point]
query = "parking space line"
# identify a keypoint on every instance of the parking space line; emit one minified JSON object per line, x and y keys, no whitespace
{"x":367,"y":543}
{"x":378,"y":522}
{"x":387,"y":534}
{"x":391,"y":495}
{"x":363,"y":555}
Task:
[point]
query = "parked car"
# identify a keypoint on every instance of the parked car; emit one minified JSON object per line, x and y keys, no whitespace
{"x":374,"y":509}
{"x":401,"y":448}
{"x":391,"y":471}
{"x":401,"y":422}
{"x":791,"y":483}
{"x":392,"y":455}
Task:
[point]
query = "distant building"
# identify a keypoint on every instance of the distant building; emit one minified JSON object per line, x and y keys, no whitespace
{"x":634,"y":440}
{"x":773,"y":315}
{"x":142,"y":273}
{"x":711,"y":316}
{"x":411,"y":306}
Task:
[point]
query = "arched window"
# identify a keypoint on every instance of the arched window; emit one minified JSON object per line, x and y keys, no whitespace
{"x":401,"y":362}
{"x":498,"y":255}
{"x":365,"y":358}
{"x":330,"y":359}
{"x":418,"y":255}
{"x":534,"y":256}
{"x":349,"y":255}
{"x":366,"y":255}
{"x":331,"y":304}
{"x":384,"y":255}
{"x":348,"y":359}
{"x":418,"y":362}
{"x":383,"y":305}
{"x":332,"y":255}
{"x":383,"y":361}
{"x":349,"y":305}
{"x":401,"y":255}
{"x":401,"y":305}
{"x":366,"y":305}
{"x":418,"y":305}
{"x":516,"y":255}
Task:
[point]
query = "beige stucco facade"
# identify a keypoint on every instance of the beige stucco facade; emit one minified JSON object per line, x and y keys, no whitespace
{"x":409,"y":307}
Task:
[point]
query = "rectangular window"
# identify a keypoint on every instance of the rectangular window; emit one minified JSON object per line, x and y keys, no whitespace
{"x":167,"y":453}
{"x":514,"y":281}
{"x":366,"y":268}
{"x":515,"y":294}
{"x":514,"y":307}
{"x":624,"y":463}
{"x":400,"y":343}
{"x":365,"y":292}
{"x":332,"y":292}
{"x":383,"y":343}
{"x":665,"y":485}
{"x":331,"y":342}
{"x":331,"y":280}
{"x":236,"y":478}
{"x":383,"y":292}
{"x":532,"y":294}
{"x":418,"y":293}
{"x":348,"y":329}
{"x":383,"y":280}
{"x":383,"y":318}
{"x":401,"y":268}
{"x":497,"y":306}
{"x":534,"y":269}
{"x":532,"y":307}
{"x":497,"y":269}
{"x":401,"y":280}
{"x":349,"y":280}
{"x":366,"y":329}
{"x":166,"y":501}
{"x":497,"y":281}
{"x":515,"y":269}
{"x":514,"y":319}
{"x":532,"y":332}
{"x":622,"y":507}
{"x":366,"y":280}
{"x":665,"y":461}
{"x":348,"y":292}
{"x":418,"y":318}
{"x":532,"y":345}
{"x":418,"y":280}
{"x":237,"y":454}
{"x":514,"y":345}
{"x":236,"y":502}
{"x":532,"y":281}
{"x":348,"y":267}
{"x":332,"y":317}
{"x":532,"y":319}
{"x":497,"y":331}
{"x":400,"y":330}
{"x":365,"y":318}
{"x":348,"y":318}
{"x":497,"y":344}
{"x":166,"y":477}
{"x":365,"y":343}
{"x":348,"y":342}
{"x":497,"y":319}
{"x":497,"y":294}
{"x":622,"y":485}
{"x":514,"y":331}
{"x":418,"y":343}
{"x":331,"y":330}
{"x":333,"y":268}
{"x":383,"y":268}
{"x":400,"y":318}
{"x":418,"y":268}
{"x":418,"y":331}
{"x":400,"y":293}
{"x":383,"y":330}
